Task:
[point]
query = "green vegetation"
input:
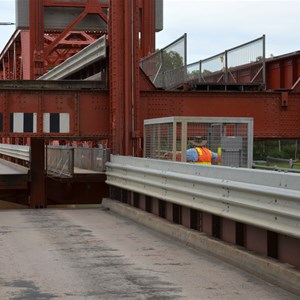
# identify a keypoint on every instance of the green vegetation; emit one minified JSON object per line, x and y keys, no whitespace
{"x":172,"y":60}
{"x":265,"y":153}
{"x":286,"y":149}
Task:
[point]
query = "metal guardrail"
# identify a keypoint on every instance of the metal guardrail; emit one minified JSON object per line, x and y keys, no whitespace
{"x":266,"y":199}
{"x":17,"y":151}
{"x":85,"y":57}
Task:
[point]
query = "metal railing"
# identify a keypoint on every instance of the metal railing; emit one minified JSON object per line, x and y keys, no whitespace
{"x":166,"y":68}
{"x":244,"y":64}
{"x":60,"y":161}
{"x":85,"y":57}
{"x":91,"y":158}
{"x":266,"y":199}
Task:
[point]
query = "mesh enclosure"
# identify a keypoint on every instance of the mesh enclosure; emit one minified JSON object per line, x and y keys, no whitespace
{"x":230,"y":138}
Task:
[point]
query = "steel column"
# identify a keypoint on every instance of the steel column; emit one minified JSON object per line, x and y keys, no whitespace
{"x":148,"y":28}
{"x":124,"y":74}
{"x":36,"y":15}
{"x":38,"y":179}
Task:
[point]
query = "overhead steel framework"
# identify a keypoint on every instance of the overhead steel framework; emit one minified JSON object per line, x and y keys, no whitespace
{"x":43,"y":39}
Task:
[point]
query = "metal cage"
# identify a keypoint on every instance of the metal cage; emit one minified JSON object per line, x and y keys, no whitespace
{"x":231,"y":138}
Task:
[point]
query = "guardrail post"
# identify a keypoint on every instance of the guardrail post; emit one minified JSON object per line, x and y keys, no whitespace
{"x":37,"y":169}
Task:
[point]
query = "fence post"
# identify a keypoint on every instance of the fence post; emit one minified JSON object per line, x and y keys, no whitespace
{"x":226,"y":67}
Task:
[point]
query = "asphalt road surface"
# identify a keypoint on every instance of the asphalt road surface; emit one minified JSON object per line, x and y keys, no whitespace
{"x":95,"y":254}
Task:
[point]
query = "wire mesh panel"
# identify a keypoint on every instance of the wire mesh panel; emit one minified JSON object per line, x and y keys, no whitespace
{"x":244,"y":64}
{"x":60,"y":161}
{"x":193,"y":72}
{"x":251,"y":54}
{"x":166,"y":68}
{"x":158,"y":139}
{"x":230,"y":138}
{"x":91,"y":158}
{"x":212,"y":69}
{"x":152,"y":66}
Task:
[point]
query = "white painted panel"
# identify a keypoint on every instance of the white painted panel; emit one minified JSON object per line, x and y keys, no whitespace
{"x":18,"y":122}
{"x":64,"y":123}
{"x":34,"y":122}
{"x":46,"y":123}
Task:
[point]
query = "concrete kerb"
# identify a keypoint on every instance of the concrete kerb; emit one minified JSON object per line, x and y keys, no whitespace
{"x":283,"y":275}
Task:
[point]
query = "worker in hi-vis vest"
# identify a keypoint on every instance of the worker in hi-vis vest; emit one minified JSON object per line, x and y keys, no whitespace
{"x":199,"y":154}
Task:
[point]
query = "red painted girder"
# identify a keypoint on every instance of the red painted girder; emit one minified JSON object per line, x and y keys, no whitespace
{"x":89,"y":111}
{"x":283,"y":72}
{"x":276,"y":115}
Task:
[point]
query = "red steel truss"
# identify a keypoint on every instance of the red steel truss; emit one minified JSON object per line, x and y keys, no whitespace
{"x":31,"y":52}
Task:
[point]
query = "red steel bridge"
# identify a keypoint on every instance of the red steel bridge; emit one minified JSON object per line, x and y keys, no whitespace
{"x":113,"y":114}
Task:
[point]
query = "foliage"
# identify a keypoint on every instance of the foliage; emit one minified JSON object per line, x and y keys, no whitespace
{"x":286,"y":149}
{"x":172,"y":60}
{"x":193,"y":74}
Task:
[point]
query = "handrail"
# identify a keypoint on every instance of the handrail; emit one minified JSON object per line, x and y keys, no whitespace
{"x":265,"y":199}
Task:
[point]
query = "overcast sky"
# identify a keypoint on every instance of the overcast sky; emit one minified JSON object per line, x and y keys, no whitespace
{"x":214,"y":26}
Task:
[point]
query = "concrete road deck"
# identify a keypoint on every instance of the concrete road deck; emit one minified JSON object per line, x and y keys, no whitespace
{"x":95,"y":254}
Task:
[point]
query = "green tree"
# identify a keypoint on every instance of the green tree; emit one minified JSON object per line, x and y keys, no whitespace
{"x":172,"y":60}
